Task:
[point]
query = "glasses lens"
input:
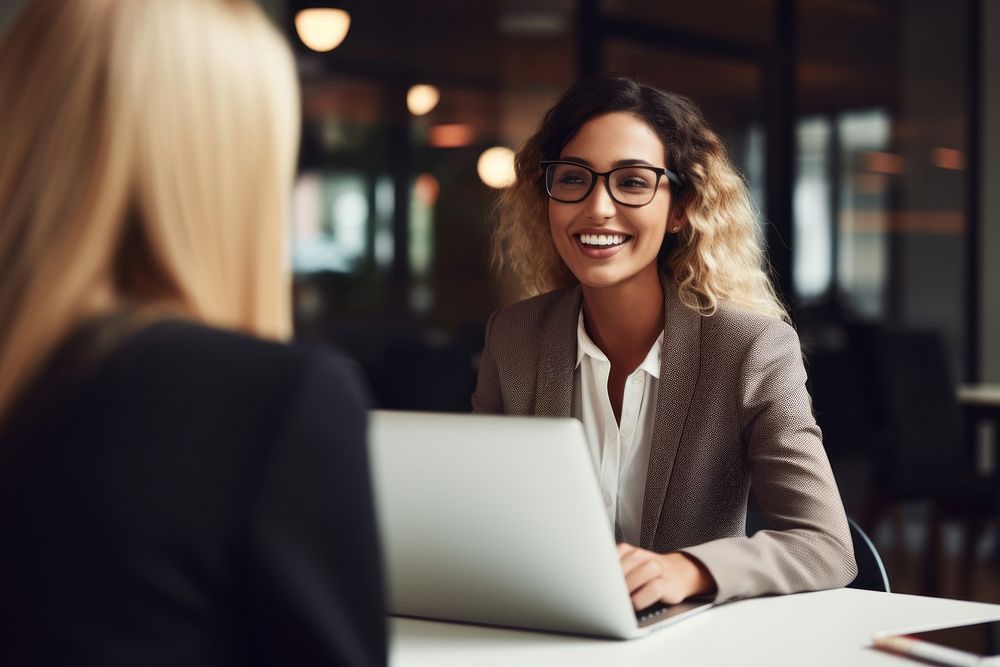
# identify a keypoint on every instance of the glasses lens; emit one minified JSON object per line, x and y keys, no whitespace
{"x":567,"y":182}
{"x":634,"y":186}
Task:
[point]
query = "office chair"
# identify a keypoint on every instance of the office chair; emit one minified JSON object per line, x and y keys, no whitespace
{"x":921,"y":452}
{"x":871,"y":571}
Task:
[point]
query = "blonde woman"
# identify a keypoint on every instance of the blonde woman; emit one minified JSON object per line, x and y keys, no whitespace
{"x":657,"y":326}
{"x":174,"y":488}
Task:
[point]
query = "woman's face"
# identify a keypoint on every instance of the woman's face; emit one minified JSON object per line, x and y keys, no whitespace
{"x":636,"y":234}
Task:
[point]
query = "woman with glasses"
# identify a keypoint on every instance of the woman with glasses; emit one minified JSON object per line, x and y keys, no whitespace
{"x":655,"y":323}
{"x":178,"y":485}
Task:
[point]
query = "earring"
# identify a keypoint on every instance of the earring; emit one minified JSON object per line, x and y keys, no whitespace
{"x":675,"y":229}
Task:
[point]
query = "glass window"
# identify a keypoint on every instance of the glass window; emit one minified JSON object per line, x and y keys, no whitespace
{"x":899,"y":114}
{"x":863,"y":229}
{"x":812,"y":251}
{"x":330,"y":221}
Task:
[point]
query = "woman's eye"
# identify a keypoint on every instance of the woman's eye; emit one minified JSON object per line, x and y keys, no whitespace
{"x":633,"y":182}
{"x":571,"y":179}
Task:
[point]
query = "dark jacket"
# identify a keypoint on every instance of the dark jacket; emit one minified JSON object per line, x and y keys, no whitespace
{"x":191,"y":497}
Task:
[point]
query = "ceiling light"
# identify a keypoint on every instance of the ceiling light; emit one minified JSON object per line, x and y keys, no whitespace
{"x":496,"y":167}
{"x":321,"y":28}
{"x":422,"y":98}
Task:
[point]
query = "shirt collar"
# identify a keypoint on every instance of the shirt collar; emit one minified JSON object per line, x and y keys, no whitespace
{"x":587,"y":347}
{"x":584,"y":345}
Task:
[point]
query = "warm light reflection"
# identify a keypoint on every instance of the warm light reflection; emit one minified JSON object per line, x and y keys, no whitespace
{"x":451,"y":135}
{"x":948,"y":158}
{"x":870,"y":184}
{"x":422,"y":98}
{"x":883,"y":163}
{"x":426,"y":189}
{"x":496,"y":167}
{"x":322,"y":29}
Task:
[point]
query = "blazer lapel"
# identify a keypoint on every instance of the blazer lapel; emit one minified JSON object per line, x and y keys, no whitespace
{"x":679,"y":369}
{"x":554,"y":382}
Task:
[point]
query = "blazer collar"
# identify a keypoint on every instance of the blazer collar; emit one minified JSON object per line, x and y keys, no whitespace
{"x":679,"y":368}
{"x":554,"y":382}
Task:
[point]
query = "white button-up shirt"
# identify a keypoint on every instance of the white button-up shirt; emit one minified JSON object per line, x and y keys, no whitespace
{"x":620,"y":452}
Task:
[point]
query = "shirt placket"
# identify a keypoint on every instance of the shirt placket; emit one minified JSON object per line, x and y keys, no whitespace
{"x":631,"y":403}
{"x":609,"y":451}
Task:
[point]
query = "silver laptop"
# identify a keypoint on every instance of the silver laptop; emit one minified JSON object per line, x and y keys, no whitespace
{"x":499,"y":521}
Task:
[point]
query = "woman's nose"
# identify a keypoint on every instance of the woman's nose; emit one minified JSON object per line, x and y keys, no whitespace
{"x":599,"y":204}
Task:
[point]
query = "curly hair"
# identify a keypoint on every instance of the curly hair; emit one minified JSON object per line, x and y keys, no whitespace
{"x":719,"y":255}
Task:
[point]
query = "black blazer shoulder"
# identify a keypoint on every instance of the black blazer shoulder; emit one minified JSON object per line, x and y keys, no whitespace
{"x":196,"y":497}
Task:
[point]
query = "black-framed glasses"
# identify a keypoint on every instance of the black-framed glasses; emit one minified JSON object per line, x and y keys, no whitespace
{"x":632,"y":185}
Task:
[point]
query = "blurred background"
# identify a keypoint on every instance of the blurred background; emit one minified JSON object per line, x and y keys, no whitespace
{"x":867,"y":130}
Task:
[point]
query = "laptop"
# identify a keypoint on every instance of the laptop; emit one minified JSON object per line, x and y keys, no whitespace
{"x":499,"y":521}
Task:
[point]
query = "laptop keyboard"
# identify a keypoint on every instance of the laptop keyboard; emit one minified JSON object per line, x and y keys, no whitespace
{"x":651,"y":612}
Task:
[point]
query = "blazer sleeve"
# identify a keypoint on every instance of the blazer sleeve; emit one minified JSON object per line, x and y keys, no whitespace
{"x":315,"y":568}
{"x":487,"y":398}
{"x":807,"y":545}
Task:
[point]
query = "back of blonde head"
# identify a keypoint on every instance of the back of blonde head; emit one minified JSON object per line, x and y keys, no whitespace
{"x":146,"y":154}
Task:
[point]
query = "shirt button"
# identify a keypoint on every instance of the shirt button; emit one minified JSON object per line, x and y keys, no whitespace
{"x":637,"y":379}
{"x":607,"y":500}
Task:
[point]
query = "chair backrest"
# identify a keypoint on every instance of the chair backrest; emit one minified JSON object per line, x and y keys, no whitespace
{"x":924,"y":436}
{"x":871,"y":570}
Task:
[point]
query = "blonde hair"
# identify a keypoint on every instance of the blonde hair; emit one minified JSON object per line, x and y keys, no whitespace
{"x":147,"y":149}
{"x":719,"y":254}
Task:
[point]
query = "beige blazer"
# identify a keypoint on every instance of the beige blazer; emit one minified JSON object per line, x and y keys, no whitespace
{"x":732,"y":414}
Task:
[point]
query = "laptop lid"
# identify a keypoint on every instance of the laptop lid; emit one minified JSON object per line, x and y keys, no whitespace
{"x":497,"y":520}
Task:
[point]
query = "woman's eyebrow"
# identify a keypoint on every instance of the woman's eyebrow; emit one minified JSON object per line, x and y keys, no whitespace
{"x":631,"y":163}
{"x":614,"y":165}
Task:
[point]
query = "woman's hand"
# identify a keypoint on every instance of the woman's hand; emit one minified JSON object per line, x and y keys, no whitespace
{"x":669,"y":577}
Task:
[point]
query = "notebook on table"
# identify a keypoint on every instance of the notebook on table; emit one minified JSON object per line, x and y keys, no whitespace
{"x":499,"y":521}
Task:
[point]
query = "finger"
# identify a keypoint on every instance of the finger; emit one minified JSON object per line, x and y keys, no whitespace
{"x":625,"y":548}
{"x":634,"y":559}
{"x":640,"y":576}
{"x":647,"y":595}
{"x":657,"y":590}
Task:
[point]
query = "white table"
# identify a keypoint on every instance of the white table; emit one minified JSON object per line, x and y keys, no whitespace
{"x":826,"y":628}
{"x":980,"y":394}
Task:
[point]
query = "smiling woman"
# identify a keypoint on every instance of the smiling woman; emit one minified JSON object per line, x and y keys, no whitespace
{"x":658,"y":327}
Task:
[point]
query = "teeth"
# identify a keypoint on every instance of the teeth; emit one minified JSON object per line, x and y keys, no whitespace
{"x":603,"y":239}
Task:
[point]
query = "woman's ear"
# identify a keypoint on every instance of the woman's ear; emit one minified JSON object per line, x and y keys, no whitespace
{"x":677,"y":220}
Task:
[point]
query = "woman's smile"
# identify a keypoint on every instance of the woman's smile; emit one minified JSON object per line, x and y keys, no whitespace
{"x":601,"y":244}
